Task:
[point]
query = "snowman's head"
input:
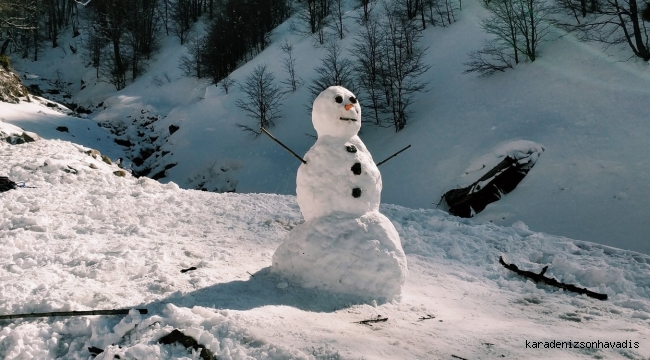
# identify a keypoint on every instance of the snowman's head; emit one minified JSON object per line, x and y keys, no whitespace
{"x":336,"y":112}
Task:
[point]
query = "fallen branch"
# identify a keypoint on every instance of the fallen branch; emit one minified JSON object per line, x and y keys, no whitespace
{"x":457,"y":357}
{"x":72,"y":313}
{"x":188,"y":269}
{"x":426,"y":317}
{"x":376,"y":320}
{"x":540,"y":277}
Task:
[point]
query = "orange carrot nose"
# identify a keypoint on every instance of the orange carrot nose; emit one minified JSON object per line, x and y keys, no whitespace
{"x":348,"y":106}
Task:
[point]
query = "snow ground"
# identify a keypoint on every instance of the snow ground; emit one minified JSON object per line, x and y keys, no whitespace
{"x":93,"y":240}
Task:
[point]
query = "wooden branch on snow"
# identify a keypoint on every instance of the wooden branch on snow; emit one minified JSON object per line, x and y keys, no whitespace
{"x":375,"y":320}
{"x":540,"y":277}
{"x":188,"y":269}
{"x":72,"y":313}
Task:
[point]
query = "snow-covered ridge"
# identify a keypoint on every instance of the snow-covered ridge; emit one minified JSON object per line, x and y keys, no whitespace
{"x":94,"y":240}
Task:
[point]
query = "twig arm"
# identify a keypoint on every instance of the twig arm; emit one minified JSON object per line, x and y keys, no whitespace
{"x":392,"y":156}
{"x":281,"y":144}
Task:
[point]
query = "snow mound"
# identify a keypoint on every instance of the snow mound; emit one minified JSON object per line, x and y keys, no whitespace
{"x":357,"y":256}
{"x":15,"y":135}
{"x":517,"y":149}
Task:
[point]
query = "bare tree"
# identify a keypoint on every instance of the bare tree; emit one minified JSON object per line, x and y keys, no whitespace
{"x":289,"y":64}
{"x":94,"y":43}
{"x":439,"y":12}
{"x":614,"y":22}
{"x":226,"y":83}
{"x":262,"y":99}
{"x":518,"y":27}
{"x":367,"y":50}
{"x":180,"y":14}
{"x":191,"y":63}
{"x":337,"y":18}
{"x":366,"y":6}
{"x":532,"y":21}
{"x":402,"y":65}
{"x":334,"y":70}
{"x":315,"y":15}
{"x":494,"y":57}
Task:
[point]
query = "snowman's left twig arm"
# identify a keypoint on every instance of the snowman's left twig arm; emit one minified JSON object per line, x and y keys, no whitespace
{"x":284,"y":146}
{"x":392,"y":156}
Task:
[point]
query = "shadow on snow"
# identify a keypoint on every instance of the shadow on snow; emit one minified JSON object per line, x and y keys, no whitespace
{"x":258,"y":291}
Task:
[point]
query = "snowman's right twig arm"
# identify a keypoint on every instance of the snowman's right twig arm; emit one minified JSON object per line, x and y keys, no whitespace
{"x":281,"y":144}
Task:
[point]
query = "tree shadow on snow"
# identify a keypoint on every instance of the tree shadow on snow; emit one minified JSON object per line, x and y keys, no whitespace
{"x":259,"y":290}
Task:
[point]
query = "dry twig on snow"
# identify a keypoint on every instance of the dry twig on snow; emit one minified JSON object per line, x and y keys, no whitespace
{"x":540,"y":277}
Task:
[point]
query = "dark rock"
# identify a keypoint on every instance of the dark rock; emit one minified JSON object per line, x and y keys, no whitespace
{"x":20,"y":139}
{"x":188,"y":342}
{"x":70,"y":170}
{"x":51,"y":104}
{"x":26,"y":138}
{"x":106,"y":159}
{"x":137,"y":161}
{"x":145,"y":153}
{"x":62,"y":129}
{"x":356,"y":192}
{"x":159,"y":175}
{"x":34,"y":89}
{"x":94,"y":153}
{"x":120,"y":173}
{"x":6,"y":184}
{"x":173,"y":128}
{"x":123,"y":142}
{"x":93,"y":166}
{"x":82,"y":110}
{"x":502,"y":179}
{"x":351,"y":148}
{"x":71,"y":106}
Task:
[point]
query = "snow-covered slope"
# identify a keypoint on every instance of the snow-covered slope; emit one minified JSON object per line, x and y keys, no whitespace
{"x":88,"y":239}
{"x":587,"y":109}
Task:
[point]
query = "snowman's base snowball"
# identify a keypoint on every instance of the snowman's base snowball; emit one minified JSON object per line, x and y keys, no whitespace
{"x":360,"y":256}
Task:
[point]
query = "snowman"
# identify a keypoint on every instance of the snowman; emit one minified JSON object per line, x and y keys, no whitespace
{"x":345,"y":245}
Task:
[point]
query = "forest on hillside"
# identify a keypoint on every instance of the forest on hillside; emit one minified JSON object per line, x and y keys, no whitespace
{"x":384,"y":68}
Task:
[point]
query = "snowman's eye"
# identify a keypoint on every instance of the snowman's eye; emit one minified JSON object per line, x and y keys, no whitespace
{"x":339,"y":99}
{"x":353,"y":99}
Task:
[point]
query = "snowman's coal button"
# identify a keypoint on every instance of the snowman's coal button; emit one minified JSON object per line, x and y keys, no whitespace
{"x":351,"y":148}
{"x":356,"y":192}
{"x":356,"y":169}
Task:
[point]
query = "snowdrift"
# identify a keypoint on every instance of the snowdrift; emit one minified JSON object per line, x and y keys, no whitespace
{"x":94,"y":240}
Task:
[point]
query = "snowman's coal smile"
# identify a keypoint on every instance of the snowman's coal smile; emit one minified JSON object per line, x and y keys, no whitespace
{"x":347,"y":119}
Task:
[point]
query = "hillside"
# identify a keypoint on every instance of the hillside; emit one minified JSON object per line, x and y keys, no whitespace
{"x":78,"y":237}
{"x":586,"y":108}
